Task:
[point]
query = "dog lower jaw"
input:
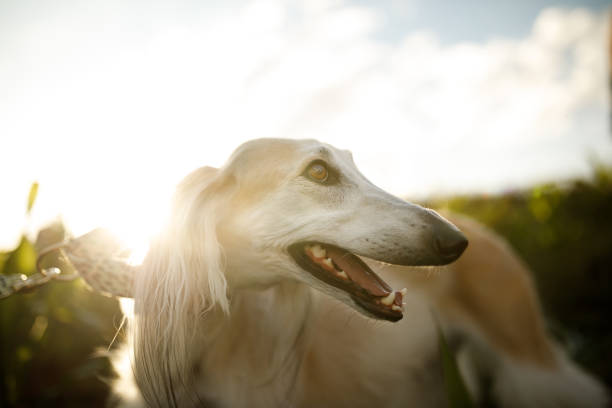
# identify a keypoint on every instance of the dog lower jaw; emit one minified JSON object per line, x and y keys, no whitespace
{"x":347,"y":272}
{"x":378,"y":313}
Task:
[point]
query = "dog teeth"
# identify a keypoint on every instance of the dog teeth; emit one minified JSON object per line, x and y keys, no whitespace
{"x":328,"y":262}
{"x":396,"y":308}
{"x":317,"y":251}
{"x":342,"y":274}
{"x":388,"y":300}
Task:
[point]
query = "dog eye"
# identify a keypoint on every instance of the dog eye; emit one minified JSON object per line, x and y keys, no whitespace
{"x":318,"y":172}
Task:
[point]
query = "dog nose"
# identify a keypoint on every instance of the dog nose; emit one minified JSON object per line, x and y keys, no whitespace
{"x":448,"y":242}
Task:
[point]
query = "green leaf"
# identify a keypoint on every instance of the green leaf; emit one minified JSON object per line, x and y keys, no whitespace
{"x":32,"y":196}
{"x":21,"y":260}
{"x":458,"y":395}
{"x":3,"y":257}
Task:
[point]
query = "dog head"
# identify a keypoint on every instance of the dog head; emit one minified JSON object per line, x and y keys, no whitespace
{"x":300,"y":209}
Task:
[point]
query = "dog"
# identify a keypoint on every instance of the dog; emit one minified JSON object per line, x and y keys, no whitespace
{"x":286,"y":279}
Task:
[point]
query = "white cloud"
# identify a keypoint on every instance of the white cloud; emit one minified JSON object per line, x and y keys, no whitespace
{"x":109,"y":105}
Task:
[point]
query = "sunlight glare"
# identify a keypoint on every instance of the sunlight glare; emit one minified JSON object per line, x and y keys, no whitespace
{"x":108,"y":131}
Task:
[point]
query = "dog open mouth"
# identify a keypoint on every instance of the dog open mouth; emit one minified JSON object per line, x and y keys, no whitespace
{"x":339,"y":268}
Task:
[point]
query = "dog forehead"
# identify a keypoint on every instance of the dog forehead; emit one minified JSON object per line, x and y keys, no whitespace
{"x":262,"y":165}
{"x":324,"y":150}
{"x":283,"y":152}
{"x":313,"y":149}
{"x":265,"y":149}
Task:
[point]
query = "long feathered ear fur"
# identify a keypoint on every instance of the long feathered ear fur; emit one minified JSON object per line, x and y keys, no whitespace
{"x":181,"y":279}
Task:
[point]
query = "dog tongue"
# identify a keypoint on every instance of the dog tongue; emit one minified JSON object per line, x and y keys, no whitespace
{"x":359,"y":272}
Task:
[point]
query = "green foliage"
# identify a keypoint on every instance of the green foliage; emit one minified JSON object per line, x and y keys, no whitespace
{"x":32,"y":196}
{"x":49,"y":337}
{"x":21,"y":260}
{"x":564,"y":233}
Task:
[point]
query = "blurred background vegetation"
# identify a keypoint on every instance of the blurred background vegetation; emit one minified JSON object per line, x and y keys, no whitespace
{"x":52,"y":341}
{"x":564,"y":233}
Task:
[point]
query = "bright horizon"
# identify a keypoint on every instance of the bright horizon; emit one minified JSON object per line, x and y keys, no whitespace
{"x":108,"y":105}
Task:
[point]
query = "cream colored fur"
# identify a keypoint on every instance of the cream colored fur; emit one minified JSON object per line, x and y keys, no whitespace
{"x":224,"y":317}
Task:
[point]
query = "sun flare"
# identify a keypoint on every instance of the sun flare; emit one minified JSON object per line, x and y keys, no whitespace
{"x":134,"y":220}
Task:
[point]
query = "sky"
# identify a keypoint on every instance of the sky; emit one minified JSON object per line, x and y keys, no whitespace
{"x":107,"y":104}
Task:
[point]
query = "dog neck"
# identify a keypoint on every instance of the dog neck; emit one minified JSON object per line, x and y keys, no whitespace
{"x":262,"y":342}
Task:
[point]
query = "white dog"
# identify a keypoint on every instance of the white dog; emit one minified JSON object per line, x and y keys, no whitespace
{"x":261,"y":292}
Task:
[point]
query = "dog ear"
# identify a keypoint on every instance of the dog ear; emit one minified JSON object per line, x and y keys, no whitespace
{"x":181,"y":279}
{"x":187,"y":256}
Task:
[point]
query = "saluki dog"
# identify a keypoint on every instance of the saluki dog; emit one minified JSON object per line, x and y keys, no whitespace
{"x":286,"y":279}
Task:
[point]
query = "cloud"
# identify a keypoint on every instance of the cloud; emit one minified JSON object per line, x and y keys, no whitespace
{"x":108,"y":105}
{"x":424,"y":117}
